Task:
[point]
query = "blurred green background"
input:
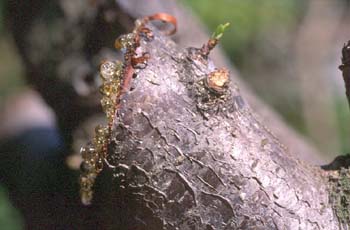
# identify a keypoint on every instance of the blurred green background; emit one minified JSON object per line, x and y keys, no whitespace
{"x":270,"y":42}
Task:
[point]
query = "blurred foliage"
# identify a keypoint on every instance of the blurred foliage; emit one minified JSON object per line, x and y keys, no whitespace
{"x":11,"y":70}
{"x":9,"y":217}
{"x":1,"y":16}
{"x":10,"y":66}
{"x":249,"y":19}
{"x":343,"y":121}
{"x":10,"y":79}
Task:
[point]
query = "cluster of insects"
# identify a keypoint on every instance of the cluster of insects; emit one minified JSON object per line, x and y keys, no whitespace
{"x":116,"y":77}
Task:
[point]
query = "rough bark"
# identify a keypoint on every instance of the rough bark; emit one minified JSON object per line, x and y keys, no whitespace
{"x":186,"y":158}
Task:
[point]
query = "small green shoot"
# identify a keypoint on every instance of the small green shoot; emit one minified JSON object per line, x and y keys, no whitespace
{"x":219,"y":32}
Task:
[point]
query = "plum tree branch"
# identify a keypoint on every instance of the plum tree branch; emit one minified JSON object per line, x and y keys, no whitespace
{"x":229,"y":172}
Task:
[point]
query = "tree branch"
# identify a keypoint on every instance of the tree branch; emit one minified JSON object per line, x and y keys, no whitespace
{"x":186,"y":157}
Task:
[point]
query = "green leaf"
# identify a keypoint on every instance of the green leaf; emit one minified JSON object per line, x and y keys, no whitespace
{"x":219,"y":32}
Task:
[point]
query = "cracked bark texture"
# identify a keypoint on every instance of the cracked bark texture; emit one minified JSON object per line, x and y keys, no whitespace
{"x":183,"y":161}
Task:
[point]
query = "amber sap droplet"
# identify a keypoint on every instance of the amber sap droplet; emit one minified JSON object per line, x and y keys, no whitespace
{"x":106,"y":103}
{"x":87,"y":152}
{"x":101,"y":131}
{"x":124,"y":42}
{"x":100,"y":142}
{"x":138,"y":23}
{"x":99,"y":165}
{"x":119,"y":42}
{"x":86,"y":197}
{"x":85,"y":167}
{"x":119,"y":69}
{"x":107,"y":70}
{"x":104,"y":90}
{"x":110,"y":115}
{"x":83,"y":151}
{"x":109,"y":89}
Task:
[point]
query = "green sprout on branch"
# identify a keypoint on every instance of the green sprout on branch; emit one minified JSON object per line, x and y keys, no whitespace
{"x":219,"y":32}
{"x":214,"y":39}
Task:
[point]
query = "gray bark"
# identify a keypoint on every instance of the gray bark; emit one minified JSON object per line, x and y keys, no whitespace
{"x":186,"y":158}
